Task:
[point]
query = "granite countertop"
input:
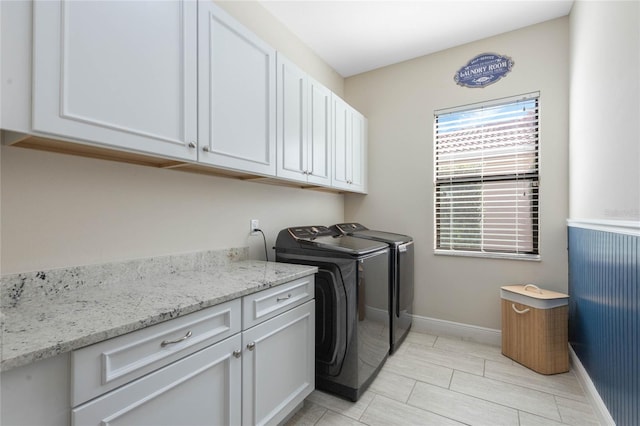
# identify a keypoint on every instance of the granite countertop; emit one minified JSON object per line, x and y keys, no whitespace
{"x":67,"y":316}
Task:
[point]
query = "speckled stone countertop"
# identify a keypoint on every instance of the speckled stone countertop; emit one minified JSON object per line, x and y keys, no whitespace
{"x":47,"y":313}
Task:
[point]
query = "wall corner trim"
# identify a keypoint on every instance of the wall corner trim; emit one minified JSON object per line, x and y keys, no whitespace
{"x":590,"y":390}
{"x":469,"y":332}
{"x":628,"y":227}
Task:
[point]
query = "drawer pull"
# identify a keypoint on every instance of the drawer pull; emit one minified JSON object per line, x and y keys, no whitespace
{"x":524,"y":311}
{"x":280,"y":299}
{"x":171,"y":342}
{"x":251,"y":346}
{"x":237,"y":353}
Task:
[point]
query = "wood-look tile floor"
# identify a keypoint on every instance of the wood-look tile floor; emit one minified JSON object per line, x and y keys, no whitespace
{"x":437,"y":380}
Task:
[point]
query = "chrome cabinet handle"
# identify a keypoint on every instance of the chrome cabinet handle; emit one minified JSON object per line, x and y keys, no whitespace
{"x":237,"y":353}
{"x":172,"y":342}
{"x":280,"y":299}
{"x":192,"y":144}
{"x":251,"y":346}
{"x":206,"y":148}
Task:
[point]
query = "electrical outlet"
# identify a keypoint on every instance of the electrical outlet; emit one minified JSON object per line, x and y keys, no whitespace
{"x":254,"y":224}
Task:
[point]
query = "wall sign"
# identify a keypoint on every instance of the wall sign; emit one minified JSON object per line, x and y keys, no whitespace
{"x":483,"y":70}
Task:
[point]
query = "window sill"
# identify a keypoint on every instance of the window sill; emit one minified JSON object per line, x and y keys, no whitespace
{"x":527,"y":257}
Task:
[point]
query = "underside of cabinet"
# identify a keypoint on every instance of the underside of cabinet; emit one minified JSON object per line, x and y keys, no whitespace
{"x":41,"y":143}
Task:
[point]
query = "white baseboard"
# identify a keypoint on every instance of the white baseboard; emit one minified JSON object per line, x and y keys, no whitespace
{"x":469,"y":332}
{"x":590,"y":390}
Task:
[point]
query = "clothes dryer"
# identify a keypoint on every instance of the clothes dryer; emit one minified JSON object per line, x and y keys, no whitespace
{"x":401,"y":276}
{"x":352,"y":304}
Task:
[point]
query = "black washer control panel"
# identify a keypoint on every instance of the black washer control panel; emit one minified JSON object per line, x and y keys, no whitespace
{"x":350,"y":228}
{"x":311,"y":232}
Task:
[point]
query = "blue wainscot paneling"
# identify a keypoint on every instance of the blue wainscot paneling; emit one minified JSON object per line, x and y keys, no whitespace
{"x":604,"y":315}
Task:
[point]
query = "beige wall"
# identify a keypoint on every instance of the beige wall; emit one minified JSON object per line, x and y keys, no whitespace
{"x":605,"y":107}
{"x":399,"y":101}
{"x":60,"y":211}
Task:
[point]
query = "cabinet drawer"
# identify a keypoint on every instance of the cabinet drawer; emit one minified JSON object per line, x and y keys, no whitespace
{"x":104,"y":366}
{"x":266,"y":304}
{"x":201,"y":389}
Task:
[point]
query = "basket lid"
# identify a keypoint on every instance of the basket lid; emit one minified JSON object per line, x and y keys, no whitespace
{"x":532,"y":290}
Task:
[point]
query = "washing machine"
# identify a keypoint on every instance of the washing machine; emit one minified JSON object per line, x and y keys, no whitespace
{"x":352,"y":304}
{"x":401,"y":276}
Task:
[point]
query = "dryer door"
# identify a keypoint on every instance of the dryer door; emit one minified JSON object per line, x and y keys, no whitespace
{"x":332,"y":328}
{"x":331,"y":320}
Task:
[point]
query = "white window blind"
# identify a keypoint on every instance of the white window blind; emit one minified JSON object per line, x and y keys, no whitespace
{"x":486,"y":178}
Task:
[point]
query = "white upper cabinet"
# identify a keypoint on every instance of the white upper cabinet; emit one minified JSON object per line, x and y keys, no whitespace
{"x":304,"y":131}
{"x":359,"y":147}
{"x":293,"y":120}
{"x":350,"y":147}
{"x":237,"y":94}
{"x":319,"y":133}
{"x":176,"y":80}
{"x":120,"y":74}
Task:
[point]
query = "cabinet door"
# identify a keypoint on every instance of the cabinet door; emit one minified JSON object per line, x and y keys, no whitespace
{"x":203,"y":388}
{"x":120,"y":74}
{"x":319,"y":152}
{"x":292,"y":118}
{"x":349,"y":147}
{"x":304,"y":126}
{"x":237,"y":96}
{"x":342,"y":153}
{"x":359,"y":152}
{"x":278,"y":365}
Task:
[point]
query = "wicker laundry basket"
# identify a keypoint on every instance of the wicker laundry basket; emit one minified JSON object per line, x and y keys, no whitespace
{"x":535,"y":328}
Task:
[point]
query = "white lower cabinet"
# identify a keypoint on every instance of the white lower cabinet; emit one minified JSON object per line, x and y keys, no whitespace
{"x":201,"y":389}
{"x":204,"y":368}
{"x":278,"y":365}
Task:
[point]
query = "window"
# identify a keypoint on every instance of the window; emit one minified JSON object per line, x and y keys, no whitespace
{"x":486,"y":179}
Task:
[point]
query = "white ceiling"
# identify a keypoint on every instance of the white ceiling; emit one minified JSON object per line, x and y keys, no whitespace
{"x":358,"y":36}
